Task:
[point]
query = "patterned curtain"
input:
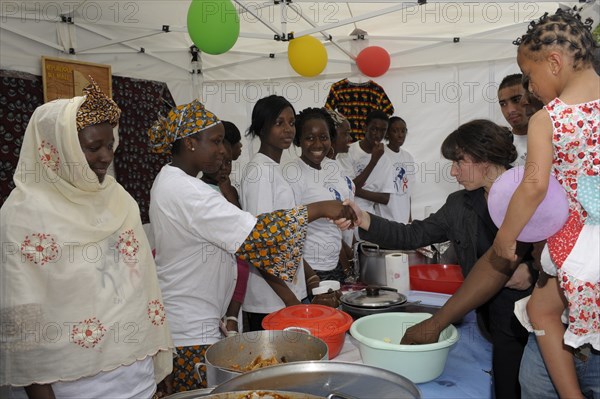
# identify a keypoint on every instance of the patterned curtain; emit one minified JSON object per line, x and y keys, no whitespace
{"x":20,"y":94}
{"x":140,"y":100}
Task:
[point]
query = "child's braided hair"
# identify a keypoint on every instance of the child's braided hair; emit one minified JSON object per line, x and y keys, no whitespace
{"x":565,"y":29}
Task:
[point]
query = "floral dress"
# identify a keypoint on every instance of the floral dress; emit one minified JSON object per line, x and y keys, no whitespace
{"x":575,"y":249}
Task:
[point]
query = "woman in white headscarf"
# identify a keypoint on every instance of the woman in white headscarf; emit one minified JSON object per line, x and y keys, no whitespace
{"x":81,"y":310}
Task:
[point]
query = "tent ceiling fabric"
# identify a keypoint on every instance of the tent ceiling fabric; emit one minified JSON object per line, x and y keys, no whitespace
{"x":149,"y":40}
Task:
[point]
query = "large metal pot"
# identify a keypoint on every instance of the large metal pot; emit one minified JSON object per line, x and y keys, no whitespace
{"x":342,"y":380}
{"x":371,"y":260}
{"x":241,"y":350}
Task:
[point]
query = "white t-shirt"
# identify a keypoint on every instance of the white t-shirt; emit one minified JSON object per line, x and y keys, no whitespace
{"x":264,"y":189}
{"x":379,"y":180}
{"x":403,"y":176}
{"x":197,"y":233}
{"x":133,"y":381}
{"x":323,"y":238}
{"x":520,"y":142}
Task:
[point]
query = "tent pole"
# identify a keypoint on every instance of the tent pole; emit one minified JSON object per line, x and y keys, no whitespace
{"x":282,"y":7}
{"x":133,"y":47}
{"x":120,"y":41}
{"x":397,"y":7}
{"x":34,"y":38}
{"x":268,"y":25}
{"x":327,"y":36}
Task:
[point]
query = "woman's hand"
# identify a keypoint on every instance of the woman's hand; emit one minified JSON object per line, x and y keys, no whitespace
{"x":348,"y":213}
{"x":330,"y":299}
{"x":521,"y":279}
{"x":377,"y":152}
{"x":331,"y":209}
{"x":426,"y":332}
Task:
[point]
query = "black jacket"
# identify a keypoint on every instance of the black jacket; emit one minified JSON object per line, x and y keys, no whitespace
{"x":456,"y":221}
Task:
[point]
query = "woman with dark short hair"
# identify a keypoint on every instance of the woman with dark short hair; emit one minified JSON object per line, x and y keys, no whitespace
{"x":480,"y":152}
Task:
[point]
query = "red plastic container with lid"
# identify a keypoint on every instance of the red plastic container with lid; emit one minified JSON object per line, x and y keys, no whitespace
{"x":323,"y":322}
{"x":444,"y":279}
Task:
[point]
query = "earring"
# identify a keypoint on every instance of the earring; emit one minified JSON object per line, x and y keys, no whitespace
{"x":193,"y":149}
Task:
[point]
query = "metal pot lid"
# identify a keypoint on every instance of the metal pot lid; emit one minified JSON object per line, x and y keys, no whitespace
{"x":374,"y":297}
{"x":348,"y":380}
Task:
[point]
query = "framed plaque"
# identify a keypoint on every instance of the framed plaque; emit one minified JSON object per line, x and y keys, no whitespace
{"x":63,"y":78}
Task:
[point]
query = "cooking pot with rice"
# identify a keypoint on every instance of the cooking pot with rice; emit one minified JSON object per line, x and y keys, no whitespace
{"x":254,"y":394}
{"x":248,"y":351}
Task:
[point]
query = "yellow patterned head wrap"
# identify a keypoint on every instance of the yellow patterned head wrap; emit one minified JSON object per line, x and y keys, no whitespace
{"x":182,"y":121}
{"x":97,"y":108}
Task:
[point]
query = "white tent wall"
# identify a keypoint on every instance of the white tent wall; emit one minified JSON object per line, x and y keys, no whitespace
{"x":433,"y":100}
{"x":447,"y":58}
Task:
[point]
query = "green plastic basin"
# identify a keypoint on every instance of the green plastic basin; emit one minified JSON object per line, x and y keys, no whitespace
{"x":379,"y":335}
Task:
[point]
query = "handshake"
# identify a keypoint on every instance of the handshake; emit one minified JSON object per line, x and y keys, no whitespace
{"x":346,"y":215}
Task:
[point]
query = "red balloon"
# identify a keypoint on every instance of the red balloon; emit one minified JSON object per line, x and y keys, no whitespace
{"x":373,"y":61}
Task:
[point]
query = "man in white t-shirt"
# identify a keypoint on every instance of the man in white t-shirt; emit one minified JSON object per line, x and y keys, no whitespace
{"x":515,"y":112}
{"x":369,"y":166}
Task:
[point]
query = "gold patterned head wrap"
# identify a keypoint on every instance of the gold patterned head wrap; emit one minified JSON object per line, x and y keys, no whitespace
{"x":338,"y":118}
{"x":97,"y":108}
{"x":182,"y":121}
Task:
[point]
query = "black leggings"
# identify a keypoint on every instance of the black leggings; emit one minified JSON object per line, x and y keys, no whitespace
{"x":506,"y":360}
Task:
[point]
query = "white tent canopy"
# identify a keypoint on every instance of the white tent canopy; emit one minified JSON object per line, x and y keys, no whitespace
{"x":149,"y":40}
{"x":447,"y":58}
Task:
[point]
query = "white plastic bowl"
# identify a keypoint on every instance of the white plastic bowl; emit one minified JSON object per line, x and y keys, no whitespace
{"x":379,"y":335}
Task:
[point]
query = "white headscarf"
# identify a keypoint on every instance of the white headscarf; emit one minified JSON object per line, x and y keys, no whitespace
{"x":79,"y":289}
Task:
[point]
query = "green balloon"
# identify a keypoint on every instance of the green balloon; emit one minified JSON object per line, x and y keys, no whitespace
{"x":213,"y":25}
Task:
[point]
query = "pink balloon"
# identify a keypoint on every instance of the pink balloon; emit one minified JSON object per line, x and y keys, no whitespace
{"x":550,"y":215}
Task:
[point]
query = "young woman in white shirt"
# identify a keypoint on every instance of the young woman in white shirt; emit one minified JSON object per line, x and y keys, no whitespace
{"x":314,"y":177}
{"x":265,"y":189}
{"x":402,"y":174}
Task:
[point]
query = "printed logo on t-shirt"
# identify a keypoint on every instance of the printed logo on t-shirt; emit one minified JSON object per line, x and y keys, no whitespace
{"x":349,"y":183}
{"x":336,"y":194}
{"x":359,"y":168}
{"x":400,"y":179}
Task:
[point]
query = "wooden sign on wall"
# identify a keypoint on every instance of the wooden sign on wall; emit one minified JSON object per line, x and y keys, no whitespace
{"x":64,"y":78}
